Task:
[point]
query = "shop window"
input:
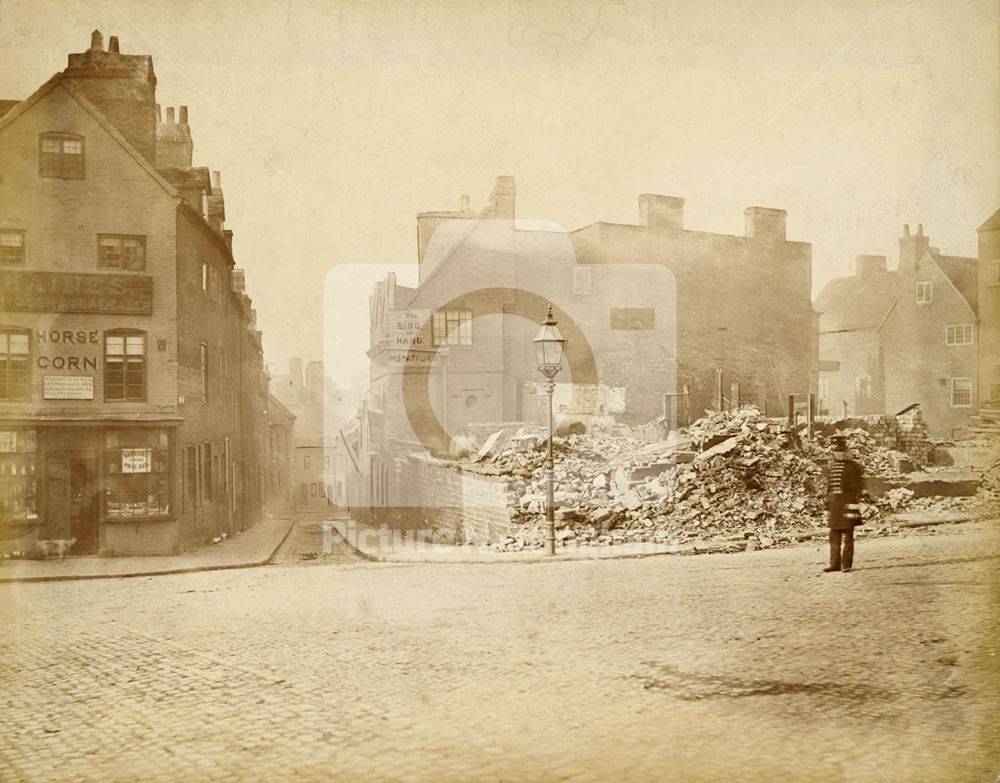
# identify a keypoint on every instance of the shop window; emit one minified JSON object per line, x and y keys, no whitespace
{"x":452,"y":327}
{"x":18,"y":479}
{"x":117,"y":251}
{"x":11,"y":248}
{"x":124,"y":366}
{"x":15,"y":364}
{"x":137,"y":473}
{"x":189,"y":472}
{"x":61,"y":156}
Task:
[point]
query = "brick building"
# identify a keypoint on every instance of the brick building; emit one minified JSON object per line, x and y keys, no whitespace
{"x":891,"y":338}
{"x":132,"y":389}
{"x":281,"y":439}
{"x":660,"y":321}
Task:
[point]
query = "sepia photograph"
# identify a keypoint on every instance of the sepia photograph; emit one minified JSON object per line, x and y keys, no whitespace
{"x":530,"y":390}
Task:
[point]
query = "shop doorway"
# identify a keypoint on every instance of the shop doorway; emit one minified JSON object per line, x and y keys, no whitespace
{"x":83,"y":504}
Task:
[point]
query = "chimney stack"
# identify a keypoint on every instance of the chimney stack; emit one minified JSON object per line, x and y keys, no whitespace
{"x":912,"y":248}
{"x":765,"y":223}
{"x":465,"y":203}
{"x":159,"y":113}
{"x":170,"y":115}
{"x":183,"y":115}
{"x":96,"y":41}
{"x":866,"y":266}
{"x":657,"y":211}
{"x":113,"y":44}
{"x":216,"y":180}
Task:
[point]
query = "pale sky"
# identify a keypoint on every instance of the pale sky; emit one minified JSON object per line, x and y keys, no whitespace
{"x":334,"y":123}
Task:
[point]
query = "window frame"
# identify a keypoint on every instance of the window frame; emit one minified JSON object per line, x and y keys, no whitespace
{"x":21,"y":233}
{"x":203,"y":358}
{"x":451,"y":328}
{"x":954,"y":381}
{"x":155,"y":482}
{"x":993,"y":273}
{"x":924,"y":285}
{"x":8,"y":383}
{"x":62,"y":169}
{"x":121,"y":238}
{"x":951,"y":332}
{"x":125,"y":334}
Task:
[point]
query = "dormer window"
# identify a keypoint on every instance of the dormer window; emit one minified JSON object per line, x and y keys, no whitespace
{"x":925,"y":292}
{"x":61,"y":156}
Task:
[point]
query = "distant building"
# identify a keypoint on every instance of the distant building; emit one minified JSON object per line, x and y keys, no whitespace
{"x":319,"y":408}
{"x":660,"y":321}
{"x":281,"y":456}
{"x":891,"y":338}
{"x":989,"y":310}
{"x":132,"y":388}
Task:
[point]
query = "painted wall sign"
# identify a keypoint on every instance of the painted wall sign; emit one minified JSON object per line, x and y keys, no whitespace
{"x":67,"y":362}
{"x":404,"y":327}
{"x":76,"y":292}
{"x":137,"y":460}
{"x":68,"y":387}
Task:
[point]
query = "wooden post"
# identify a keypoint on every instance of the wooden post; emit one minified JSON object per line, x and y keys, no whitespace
{"x":791,"y":409}
{"x":718,"y":390}
{"x":809,"y":416}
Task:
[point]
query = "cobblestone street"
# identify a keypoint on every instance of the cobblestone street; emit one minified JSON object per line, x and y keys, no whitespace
{"x":717,"y":668}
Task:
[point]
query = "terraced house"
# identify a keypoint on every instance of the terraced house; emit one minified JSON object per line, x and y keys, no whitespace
{"x":132,"y":388}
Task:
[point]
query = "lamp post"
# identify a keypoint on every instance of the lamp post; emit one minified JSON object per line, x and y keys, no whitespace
{"x":549,"y":346}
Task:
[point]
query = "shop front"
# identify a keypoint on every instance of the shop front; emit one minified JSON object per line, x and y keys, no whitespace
{"x":105,"y":487}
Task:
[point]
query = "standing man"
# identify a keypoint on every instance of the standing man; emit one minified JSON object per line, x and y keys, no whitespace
{"x":843,"y":490}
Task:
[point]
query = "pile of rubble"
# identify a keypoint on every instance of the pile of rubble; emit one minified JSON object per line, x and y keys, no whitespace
{"x":733,"y":477}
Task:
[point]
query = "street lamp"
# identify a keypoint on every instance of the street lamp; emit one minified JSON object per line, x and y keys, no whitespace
{"x":549,"y":346}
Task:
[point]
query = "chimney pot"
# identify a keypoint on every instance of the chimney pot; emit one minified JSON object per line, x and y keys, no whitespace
{"x":920,"y":229}
{"x":96,"y":41}
{"x":906,"y":229}
{"x":170,"y":115}
{"x":465,"y":203}
{"x":159,"y":113}
{"x":216,"y":180}
{"x":183,"y":115}
{"x":113,"y":43}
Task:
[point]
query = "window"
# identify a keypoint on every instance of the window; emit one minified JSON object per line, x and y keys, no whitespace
{"x":958,"y":334}
{"x":925,"y":292}
{"x":137,"y":473}
{"x":189,"y":471}
{"x":11,"y":248}
{"x":124,"y":366}
{"x":306,"y":461}
{"x":60,"y":155}
{"x":863,"y":387}
{"x":204,"y":372}
{"x":994,"y":273}
{"x":117,"y":251}
{"x":15,"y":365}
{"x":581,"y":279}
{"x":18,"y":476}
{"x":635,"y":319}
{"x":326,"y":463}
{"x":204,"y":276}
{"x":824,"y":388}
{"x":961,"y":392}
{"x":205,"y":476}
{"x":452,"y":327}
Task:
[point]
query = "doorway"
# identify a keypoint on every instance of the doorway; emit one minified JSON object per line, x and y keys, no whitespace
{"x":83,"y":504}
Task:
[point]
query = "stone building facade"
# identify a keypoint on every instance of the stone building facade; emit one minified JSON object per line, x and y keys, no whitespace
{"x":892,"y":338}
{"x":133,"y":394}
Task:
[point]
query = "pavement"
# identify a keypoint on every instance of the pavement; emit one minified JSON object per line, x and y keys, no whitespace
{"x":750,"y":667}
{"x":252,"y":547}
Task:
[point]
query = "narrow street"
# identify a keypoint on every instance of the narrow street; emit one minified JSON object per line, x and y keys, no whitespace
{"x":729,"y":667}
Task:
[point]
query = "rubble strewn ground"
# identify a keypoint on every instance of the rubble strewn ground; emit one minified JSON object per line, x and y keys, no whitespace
{"x":732,"y":480}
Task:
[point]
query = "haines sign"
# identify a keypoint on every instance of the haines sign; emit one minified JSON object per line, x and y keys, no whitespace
{"x":76,"y":292}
